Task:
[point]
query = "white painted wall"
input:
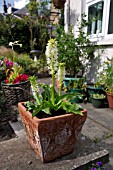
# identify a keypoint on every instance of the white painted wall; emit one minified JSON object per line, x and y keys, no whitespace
{"x":76,"y":8}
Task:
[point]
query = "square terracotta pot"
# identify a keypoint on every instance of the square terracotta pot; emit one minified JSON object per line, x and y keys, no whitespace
{"x":52,"y":137}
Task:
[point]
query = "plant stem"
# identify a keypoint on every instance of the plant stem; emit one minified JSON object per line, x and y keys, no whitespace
{"x":60,"y":89}
{"x":52,"y":88}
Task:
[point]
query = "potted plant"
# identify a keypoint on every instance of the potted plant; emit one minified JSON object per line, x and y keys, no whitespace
{"x":94,"y":88}
{"x":78,"y":86}
{"x":98,"y":100}
{"x":51,"y":121}
{"x":75,"y":51}
{"x":16,"y":86}
{"x":106,"y":75}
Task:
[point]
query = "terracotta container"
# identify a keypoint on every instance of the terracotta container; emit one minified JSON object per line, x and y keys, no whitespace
{"x":110,"y":100}
{"x":52,"y":137}
{"x":59,"y":4}
{"x":57,"y":84}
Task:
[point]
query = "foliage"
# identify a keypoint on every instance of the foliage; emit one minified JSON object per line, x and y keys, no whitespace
{"x":14,"y":29}
{"x":105,"y":75}
{"x":98,"y":166}
{"x":98,"y":96}
{"x":30,"y":67}
{"x":78,"y":84}
{"x":2,"y":71}
{"x":49,"y":100}
{"x":37,"y":21}
{"x":74,"y":51}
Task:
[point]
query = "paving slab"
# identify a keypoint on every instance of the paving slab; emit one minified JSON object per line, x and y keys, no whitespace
{"x":18,"y":155}
{"x":102,"y":116}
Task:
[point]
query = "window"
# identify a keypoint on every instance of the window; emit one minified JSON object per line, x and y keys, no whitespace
{"x":110,"y":25}
{"x":102,"y":14}
{"x":96,"y":11}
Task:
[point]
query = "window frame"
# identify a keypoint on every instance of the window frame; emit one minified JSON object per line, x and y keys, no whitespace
{"x":105,"y":19}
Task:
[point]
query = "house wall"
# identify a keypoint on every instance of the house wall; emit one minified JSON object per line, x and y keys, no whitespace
{"x":76,"y":8}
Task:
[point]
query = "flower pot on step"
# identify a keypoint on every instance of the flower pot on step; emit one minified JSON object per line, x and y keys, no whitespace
{"x":110,"y":99}
{"x":52,"y":137}
{"x":93,"y":90}
{"x":77,"y":99}
{"x":98,"y":103}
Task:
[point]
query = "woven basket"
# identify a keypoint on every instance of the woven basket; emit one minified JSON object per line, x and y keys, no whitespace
{"x":15,"y":93}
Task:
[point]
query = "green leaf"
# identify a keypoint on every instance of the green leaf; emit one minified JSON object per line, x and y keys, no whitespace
{"x":72,"y":108}
{"x":47,"y":110}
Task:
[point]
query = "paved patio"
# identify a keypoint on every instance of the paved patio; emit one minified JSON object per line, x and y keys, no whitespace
{"x":96,"y":135}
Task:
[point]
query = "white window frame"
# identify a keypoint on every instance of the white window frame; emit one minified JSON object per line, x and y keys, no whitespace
{"x":105,"y":19}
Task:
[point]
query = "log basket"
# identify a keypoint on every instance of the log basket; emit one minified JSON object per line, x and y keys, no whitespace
{"x":15,"y":93}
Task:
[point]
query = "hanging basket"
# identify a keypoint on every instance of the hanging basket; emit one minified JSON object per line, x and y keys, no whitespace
{"x":59,"y":4}
{"x":15,"y":93}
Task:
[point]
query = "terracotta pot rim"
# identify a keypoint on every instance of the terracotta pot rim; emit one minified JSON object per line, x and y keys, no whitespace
{"x":20,"y":104}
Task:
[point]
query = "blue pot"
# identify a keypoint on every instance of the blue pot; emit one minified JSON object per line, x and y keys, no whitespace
{"x":77,"y":99}
{"x":67,"y":80}
{"x":93,"y":90}
{"x":97,"y":103}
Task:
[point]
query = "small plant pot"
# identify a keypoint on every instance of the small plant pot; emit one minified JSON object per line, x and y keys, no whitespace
{"x":93,"y":90}
{"x":110,"y":100}
{"x":77,"y":99}
{"x":67,"y":80}
{"x":98,"y":103}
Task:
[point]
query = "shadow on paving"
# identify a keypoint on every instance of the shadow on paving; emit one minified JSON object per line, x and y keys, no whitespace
{"x":18,"y":155}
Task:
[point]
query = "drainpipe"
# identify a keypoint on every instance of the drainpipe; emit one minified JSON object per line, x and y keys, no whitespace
{"x":67,"y":16}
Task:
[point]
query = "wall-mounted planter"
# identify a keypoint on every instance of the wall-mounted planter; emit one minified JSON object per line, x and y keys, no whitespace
{"x":59,"y":4}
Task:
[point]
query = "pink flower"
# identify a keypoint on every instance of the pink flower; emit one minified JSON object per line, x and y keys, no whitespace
{"x":6,"y":81}
{"x":9,"y":64}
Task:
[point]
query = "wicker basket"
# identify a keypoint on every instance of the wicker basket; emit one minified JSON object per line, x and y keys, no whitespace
{"x":15,"y":93}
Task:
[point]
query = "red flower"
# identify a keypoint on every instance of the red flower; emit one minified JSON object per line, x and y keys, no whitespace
{"x":24,"y":77}
{"x":6,"y":81}
{"x":20,"y":78}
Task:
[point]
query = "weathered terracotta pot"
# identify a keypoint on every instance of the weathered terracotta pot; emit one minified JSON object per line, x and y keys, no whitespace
{"x":110,"y":100}
{"x":52,"y":137}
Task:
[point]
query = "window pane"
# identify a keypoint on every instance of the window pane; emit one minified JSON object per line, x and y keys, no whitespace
{"x":110,"y":26}
{"x":96,"y":11}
